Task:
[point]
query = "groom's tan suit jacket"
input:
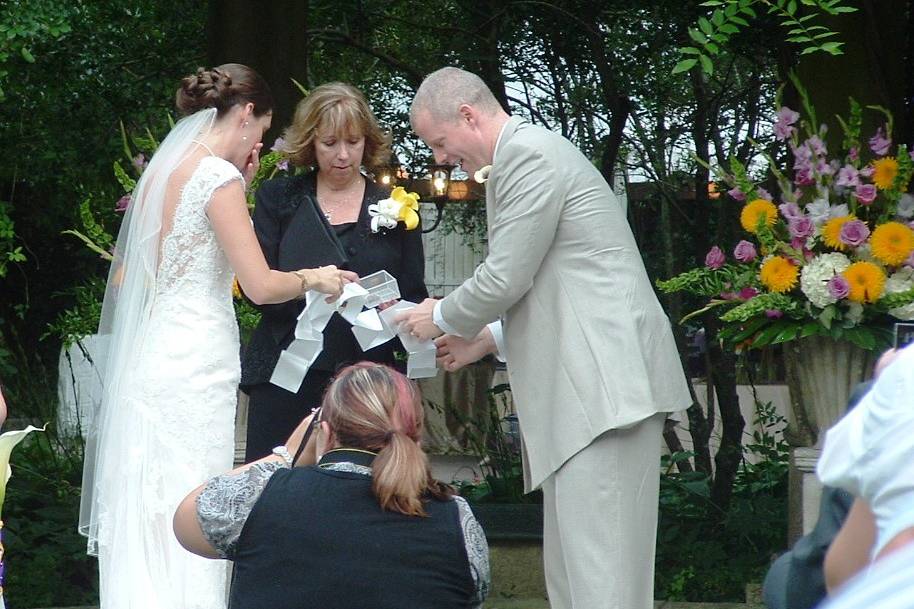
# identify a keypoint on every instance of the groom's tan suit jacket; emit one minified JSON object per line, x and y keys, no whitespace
{"x":587,"y":344}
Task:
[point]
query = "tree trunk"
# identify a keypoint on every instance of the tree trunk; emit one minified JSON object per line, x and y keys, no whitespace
{"x":269,"y":37}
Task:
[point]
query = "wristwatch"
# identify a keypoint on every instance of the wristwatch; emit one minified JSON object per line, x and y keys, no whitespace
{"x":283,"y":452}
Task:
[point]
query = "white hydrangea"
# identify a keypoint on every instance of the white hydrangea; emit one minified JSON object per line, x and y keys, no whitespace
{"x":816,"y":274}
{"x":905,"y":207}
{"x":854,"y":313}
{"x":901,"y":280}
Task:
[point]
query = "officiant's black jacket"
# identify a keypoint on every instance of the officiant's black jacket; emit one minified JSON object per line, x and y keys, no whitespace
{"x":294,"y":234}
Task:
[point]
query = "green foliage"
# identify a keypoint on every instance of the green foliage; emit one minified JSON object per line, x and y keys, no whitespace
{"x":492,"y":438}
{"x":729,"y":17}
{"x":10,"y":252}
{"x":248,"y":317}
{"x":39,"y":534}
{"x":25,"y":24}
{"x":82,"y":318}
{"x":702,"y":281}
{"x":707,"y":554}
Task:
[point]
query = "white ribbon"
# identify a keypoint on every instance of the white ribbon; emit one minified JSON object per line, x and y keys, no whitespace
{"x":384,"y":214}
{"x":370,"y":328}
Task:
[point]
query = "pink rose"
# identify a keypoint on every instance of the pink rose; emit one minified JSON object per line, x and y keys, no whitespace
{"x":715,"y":258}
{"x":838,"y":287}
{"x":854,"y":233}
{"x":745,"y":251}
{"x":865,"y":193}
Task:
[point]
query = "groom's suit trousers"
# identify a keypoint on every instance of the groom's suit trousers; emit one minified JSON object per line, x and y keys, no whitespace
{"x":600,"y":521}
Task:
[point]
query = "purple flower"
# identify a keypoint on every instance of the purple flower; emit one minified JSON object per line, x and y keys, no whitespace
{"x":745,"y":251}
{"x":825,"y":169}
{"x":801,"y":227}
{"x":865,"y":193}
{"x":122,"y":204}
{"x":853,"y":154}
{"x":783,"y":128}
{"x":774,"y":313}
{"x":838,"y":287}
{"x":747,"y":293}
{"x":804,"y":176}
{"x":139,"y":162}
{"x":790,"y":210}
{"x":879,"y":143}
{"x":761,"y":193}
{"x":283,"y":165}
{"x":715,"y":258}
{"x":847,"y":176}
{"x":278,"y":144}
{"x":816,"y":145}
{"x":854,"y":233}
{"x":737,"y":194}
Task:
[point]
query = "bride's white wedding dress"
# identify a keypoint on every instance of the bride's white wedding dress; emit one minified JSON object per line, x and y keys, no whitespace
{"x":176,"y":408}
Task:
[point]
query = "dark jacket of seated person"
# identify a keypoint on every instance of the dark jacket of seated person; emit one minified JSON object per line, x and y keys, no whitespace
{"x":796,"y":579}
{"x":366,"y":526}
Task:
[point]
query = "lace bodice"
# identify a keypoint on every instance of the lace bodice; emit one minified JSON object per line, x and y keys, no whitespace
{"x":192,"y":264}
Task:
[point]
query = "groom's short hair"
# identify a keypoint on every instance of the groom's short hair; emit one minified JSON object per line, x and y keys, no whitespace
{"x":443,"y":92}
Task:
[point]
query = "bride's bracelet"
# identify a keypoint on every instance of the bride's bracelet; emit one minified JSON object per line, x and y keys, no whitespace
{"x":301,"y":274}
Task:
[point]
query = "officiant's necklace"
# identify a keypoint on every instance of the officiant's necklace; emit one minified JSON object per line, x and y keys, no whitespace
{"x":331,"y":206}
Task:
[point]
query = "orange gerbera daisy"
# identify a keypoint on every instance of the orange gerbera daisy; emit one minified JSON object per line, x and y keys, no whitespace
{"x":755,"y":211}
{"x":779,"y":274}
{"x":867,"y":281}
{"x":892,"y":243}
{"x":884,"y":172}
{"x":831,"y":231}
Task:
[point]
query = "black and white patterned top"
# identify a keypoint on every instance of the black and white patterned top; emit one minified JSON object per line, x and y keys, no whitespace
{"x":226,"y":501}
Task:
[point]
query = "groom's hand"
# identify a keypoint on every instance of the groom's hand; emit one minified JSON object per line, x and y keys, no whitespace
{"x":419,"y":321}
{"x":455,"y":352}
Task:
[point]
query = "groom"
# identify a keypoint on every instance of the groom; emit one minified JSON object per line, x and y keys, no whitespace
{"x":591,"y":357}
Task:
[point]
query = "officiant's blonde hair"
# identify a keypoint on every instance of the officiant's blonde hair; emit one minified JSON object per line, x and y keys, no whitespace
{"x":341,"y":109}
{"x":443,"y":92}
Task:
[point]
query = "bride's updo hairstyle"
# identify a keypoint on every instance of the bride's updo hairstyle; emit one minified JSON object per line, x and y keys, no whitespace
{"x":222,"y":88}
{"x":373,"y":407}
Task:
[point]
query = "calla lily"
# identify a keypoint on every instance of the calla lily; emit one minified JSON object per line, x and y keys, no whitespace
{"x":8,"y":441}
{"x":408,"y":199}
{"x":401,"y":205}
{"x":409,"y":217}
{"x":482,"y":174}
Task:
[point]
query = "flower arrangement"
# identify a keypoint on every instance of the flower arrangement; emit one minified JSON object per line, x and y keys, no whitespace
{"x":400,"y":206}
{"x":834,"y":257}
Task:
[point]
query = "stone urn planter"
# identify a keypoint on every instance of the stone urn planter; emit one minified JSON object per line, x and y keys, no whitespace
{"x":821,"y":374}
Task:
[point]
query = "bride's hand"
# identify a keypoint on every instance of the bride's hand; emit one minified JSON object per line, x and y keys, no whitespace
{"x":253,"y":164}
{"x":329,"y":280}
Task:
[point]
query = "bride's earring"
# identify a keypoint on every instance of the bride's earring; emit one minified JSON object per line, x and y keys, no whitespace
{"x":244,"y":138}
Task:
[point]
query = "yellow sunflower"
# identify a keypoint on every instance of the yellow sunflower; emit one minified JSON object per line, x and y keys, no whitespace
{"x":779,"y":274}
{"x":754,"y":211}
{"x":866,"y":280}
{"x":892,"y":243}
{"x":831,"y":231}
{"x":884,"y":172}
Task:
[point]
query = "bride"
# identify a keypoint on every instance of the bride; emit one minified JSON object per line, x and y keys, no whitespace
{"x":172,"y":367}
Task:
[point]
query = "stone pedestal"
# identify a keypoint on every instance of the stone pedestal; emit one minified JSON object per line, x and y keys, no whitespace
{"x":805,"y":492}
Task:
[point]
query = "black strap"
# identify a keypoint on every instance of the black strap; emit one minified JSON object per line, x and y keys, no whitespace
{"x":306,"y":437}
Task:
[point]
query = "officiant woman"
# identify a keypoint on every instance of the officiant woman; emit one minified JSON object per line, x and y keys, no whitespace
{"x":317,"y":217}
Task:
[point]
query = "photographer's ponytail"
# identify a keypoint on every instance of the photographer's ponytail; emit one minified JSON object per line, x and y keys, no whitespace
{"x":373,"y":407}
